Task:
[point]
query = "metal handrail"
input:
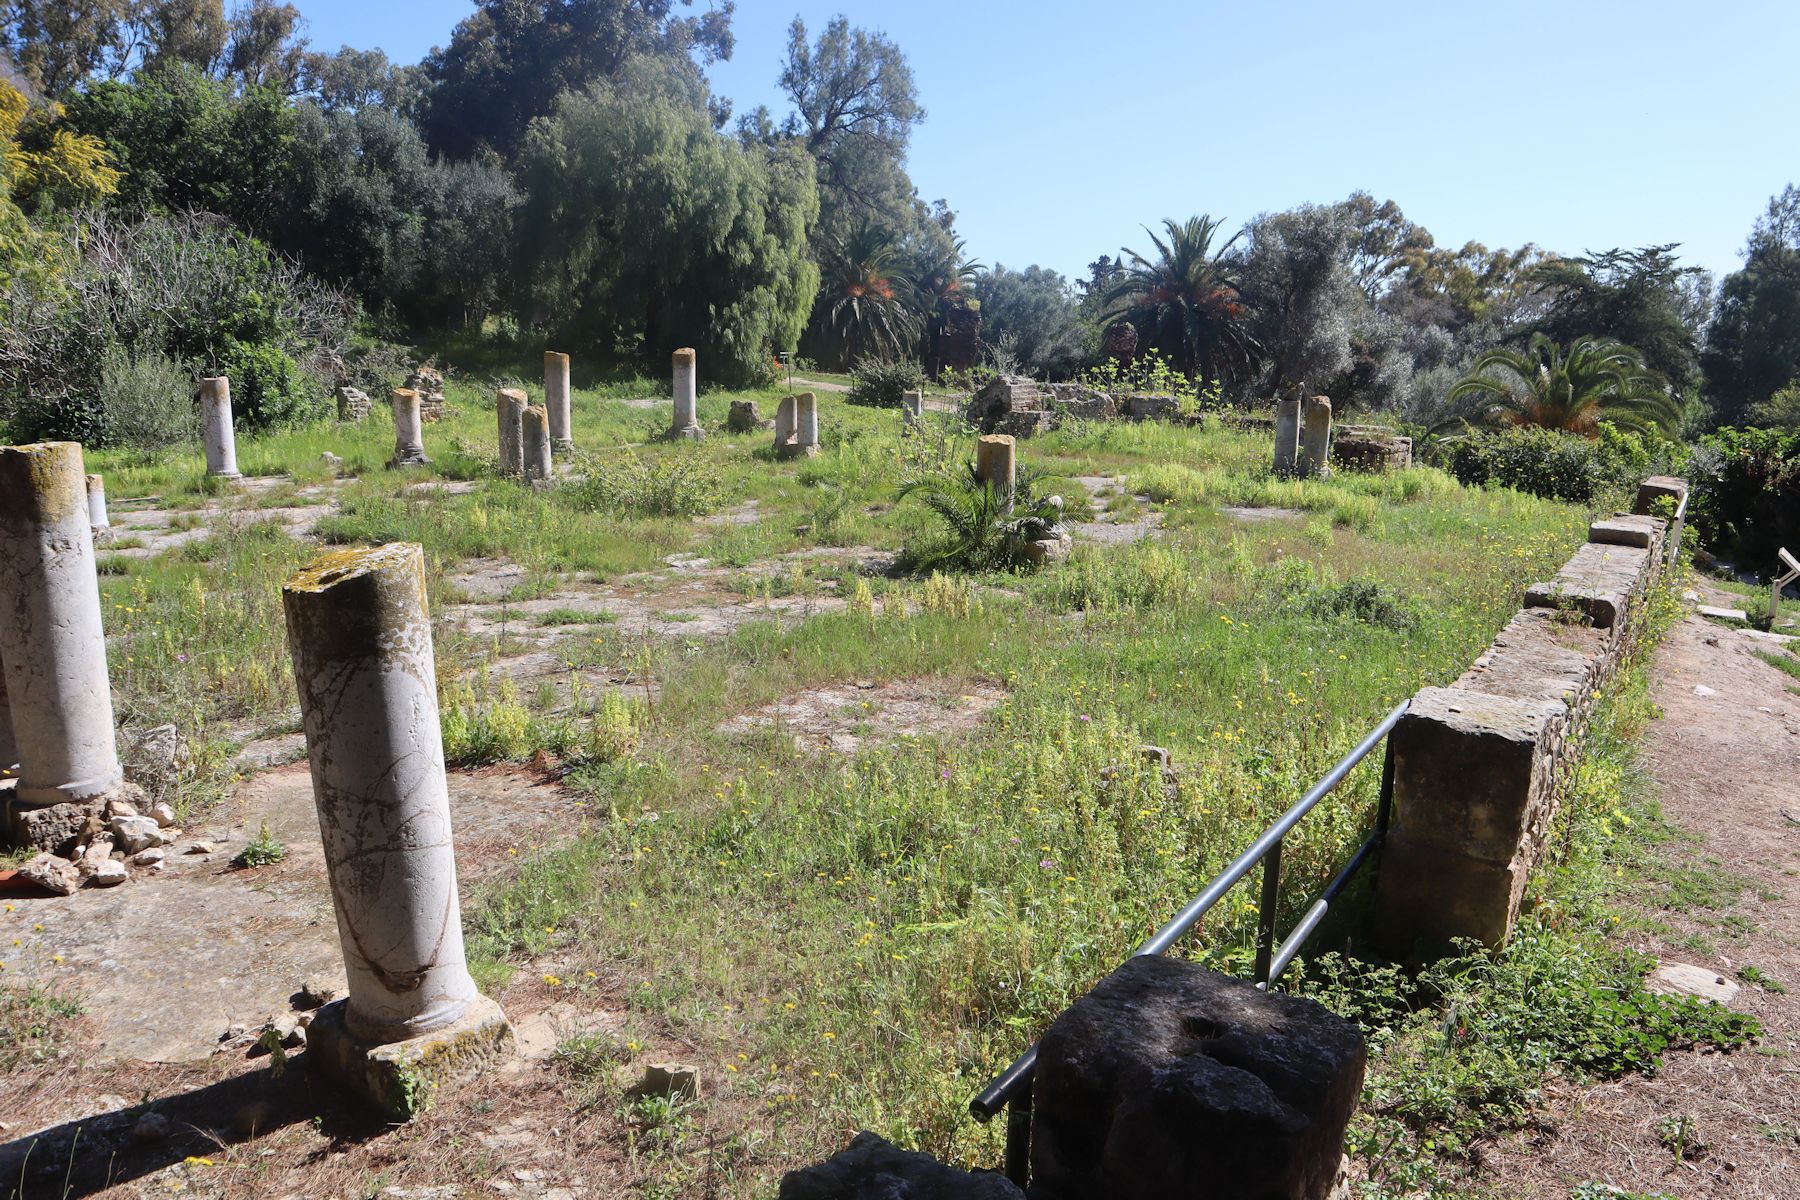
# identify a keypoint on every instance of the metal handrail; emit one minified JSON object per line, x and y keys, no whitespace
{"x":1011,"y":1089}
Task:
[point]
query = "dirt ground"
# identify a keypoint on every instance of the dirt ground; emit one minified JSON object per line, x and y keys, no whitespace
{"x":1725,"y":759}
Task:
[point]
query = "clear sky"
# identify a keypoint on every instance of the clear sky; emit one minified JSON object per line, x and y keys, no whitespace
{"x":1056,"y":128}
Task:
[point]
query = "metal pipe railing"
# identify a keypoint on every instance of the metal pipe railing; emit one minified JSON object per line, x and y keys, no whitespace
{"x":1012,"y":1087}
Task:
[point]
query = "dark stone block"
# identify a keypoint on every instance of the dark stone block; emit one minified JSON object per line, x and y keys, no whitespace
{"x":1170,"y":1081}
{"x":870,"y":1168}
{"x":57,"y":828}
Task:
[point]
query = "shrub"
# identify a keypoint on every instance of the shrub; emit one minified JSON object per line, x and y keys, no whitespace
{"x":1363,"y":600}
{"x":1543,"y":462}
{"x":976,"y":531}
{"x":677,"y":485}
{"x":1747,"y":493}
{"x":883,"y":384}
{"x":1142,"y":576}
{"x":147,"y":401}
{"x":188,"y":289}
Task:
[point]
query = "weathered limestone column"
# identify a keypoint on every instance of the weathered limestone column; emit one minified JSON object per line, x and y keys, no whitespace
{"x":535,"y":438}
{"x":556,"y":400}
{"x":409,"y":427}
{"x":1287,"y":434}
{"x":686,"y":424}
{"x":51,"y":638}
{"x":361,"y":645}
{"x":994,"y":462}
{"x":784,"y":425}
{"x":510,"y":405}
{"x":215,"y":419}
{"x":96,"y":505}
{"x":806,"y":422}
{"x":1315,"y":438}
{"x":912,"y":409}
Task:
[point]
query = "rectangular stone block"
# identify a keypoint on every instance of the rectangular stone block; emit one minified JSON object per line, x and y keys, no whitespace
{"x":1599,"y":582}
{"x":1539,"y":657}
{"x":402,"y":1078}
{"x":1626,"y":529}
{"x":1657,"y":487}
{"x":1468,"y":769}
{"x":1429,"y":896}
{"x":1168,"y":1081}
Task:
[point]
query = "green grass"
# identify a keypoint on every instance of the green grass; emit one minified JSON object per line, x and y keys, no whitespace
{"x":862,"y":940}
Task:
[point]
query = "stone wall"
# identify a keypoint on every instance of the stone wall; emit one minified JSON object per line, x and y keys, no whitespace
{"x":1478,"y":765}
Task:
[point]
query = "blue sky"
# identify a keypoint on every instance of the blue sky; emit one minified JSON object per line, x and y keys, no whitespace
{"x":1056,"y":129}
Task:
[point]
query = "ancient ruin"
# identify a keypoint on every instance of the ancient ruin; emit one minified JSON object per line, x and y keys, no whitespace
{"x":363,"y":664}
{"x":556,"y":400}
{"x":509,"y":409}
{"x":686,"y":423}
{"x":797,"y":426}
{"x":220,"y":436}
{"x":535,"y":444}
{"x":409,"y":433}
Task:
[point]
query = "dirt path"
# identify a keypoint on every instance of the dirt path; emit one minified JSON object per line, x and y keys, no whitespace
{"x":1725,"y":759}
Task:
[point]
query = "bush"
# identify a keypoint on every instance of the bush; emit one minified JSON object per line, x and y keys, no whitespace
{"x":187,"y":289}
{"x":883,"y":384}
{"x":1747,"y":493}
{"x":1553,"y":465}
{"x":148,"y":402}
{"x":677,"y":485}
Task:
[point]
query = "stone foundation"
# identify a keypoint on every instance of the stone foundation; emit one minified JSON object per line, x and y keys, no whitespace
{"x":1478,"y":765}
{"x":402,"y":1078}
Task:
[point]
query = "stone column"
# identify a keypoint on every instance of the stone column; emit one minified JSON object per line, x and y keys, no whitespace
{"x":535,"y":436}
{"x":806,"y":422}
{"x":51,"y":638}
{"x":9,"y":746}
{"x":215,"y":417}
{"x":994,"y":462}
{"x":1315,"y":440}
{"x":509,"y":404}
{"x":784,"y":425}
{"x":409,"y":427}
{"x":686,"y":424}
{"x":96,"y":504}
{"x":912,"y":409}
{"x":1287,"y":435}
{"x":556,"y":400}
{"x":361,"y":645}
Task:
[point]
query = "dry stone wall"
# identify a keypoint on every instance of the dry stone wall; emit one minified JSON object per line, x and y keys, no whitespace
{"x":1478,"y":765}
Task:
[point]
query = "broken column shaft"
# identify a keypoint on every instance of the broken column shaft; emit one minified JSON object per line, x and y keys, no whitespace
{"x":9,"y":746}
{"x":994,"y":462}
{"x":686,"y":423}
{"x":509,"y":406}
{"x":215,"y":420}
{"x":1287,"y":435}
{"x":361,"y":645}
{"x":535,"y":440}
{"x":98,"y":521}
{"x":556,"y":400}
{"x":1315,"y":438}
{"x":409,"y":426}
{"x":51,"y":639}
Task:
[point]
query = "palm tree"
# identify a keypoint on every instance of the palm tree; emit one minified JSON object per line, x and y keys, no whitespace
{"x":1185,"y":303}
{"x":1595,"y":380}
{"x":939,"y":270}
{"x":862,"y":310}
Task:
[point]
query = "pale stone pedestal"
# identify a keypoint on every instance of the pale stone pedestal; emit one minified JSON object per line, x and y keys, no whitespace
{"x":402,"y":1078}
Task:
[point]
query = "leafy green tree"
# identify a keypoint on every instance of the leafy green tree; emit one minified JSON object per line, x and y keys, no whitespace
{"x":863,"y":309}
{"x":355,"y":79}
{"x":1383,"y":241}
{"x":1295,"y":274}
{"x":1571,"y":391}
{"x":1781,"y":410}
{"x":508,"y":62}
{"x":65,"y":170}
{"x":1639,"y":297}
{"x":644,"y":230}
{"x":1185,"y":302}
{"x":58,"y":44}
{"x":854,"y":108}
{"x":1035,"y":312}
{"x":263,"y":47}
{"x":185,"y":142}
{"x":1753,"y":344}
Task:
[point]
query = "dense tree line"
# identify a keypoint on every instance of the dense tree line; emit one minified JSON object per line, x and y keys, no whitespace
{"x":563,"y":166}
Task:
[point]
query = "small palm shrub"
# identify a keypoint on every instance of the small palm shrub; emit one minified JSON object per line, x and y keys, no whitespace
{"x":883,"y":384}
{"x":976,"y":532}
